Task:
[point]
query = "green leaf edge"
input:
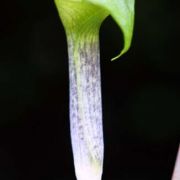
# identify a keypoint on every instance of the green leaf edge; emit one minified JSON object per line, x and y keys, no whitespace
{"x":122,"y":11}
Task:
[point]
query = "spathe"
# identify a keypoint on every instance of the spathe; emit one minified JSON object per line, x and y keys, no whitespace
{"x":122,"y":11}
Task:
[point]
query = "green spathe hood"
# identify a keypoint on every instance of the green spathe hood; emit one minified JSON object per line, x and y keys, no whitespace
{"x":122,"y":11}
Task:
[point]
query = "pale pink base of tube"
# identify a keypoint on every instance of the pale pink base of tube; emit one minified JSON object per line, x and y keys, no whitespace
{"x":176,"y":173}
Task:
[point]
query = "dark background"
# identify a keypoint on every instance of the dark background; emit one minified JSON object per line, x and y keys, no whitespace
{"x":141,"y":94}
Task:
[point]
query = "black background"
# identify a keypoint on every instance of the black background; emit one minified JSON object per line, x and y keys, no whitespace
{"x":141,"y":93}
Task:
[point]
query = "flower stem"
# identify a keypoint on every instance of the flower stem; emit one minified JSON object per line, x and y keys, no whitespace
{"x":82,"y":20}
{"x":86,"y":107}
